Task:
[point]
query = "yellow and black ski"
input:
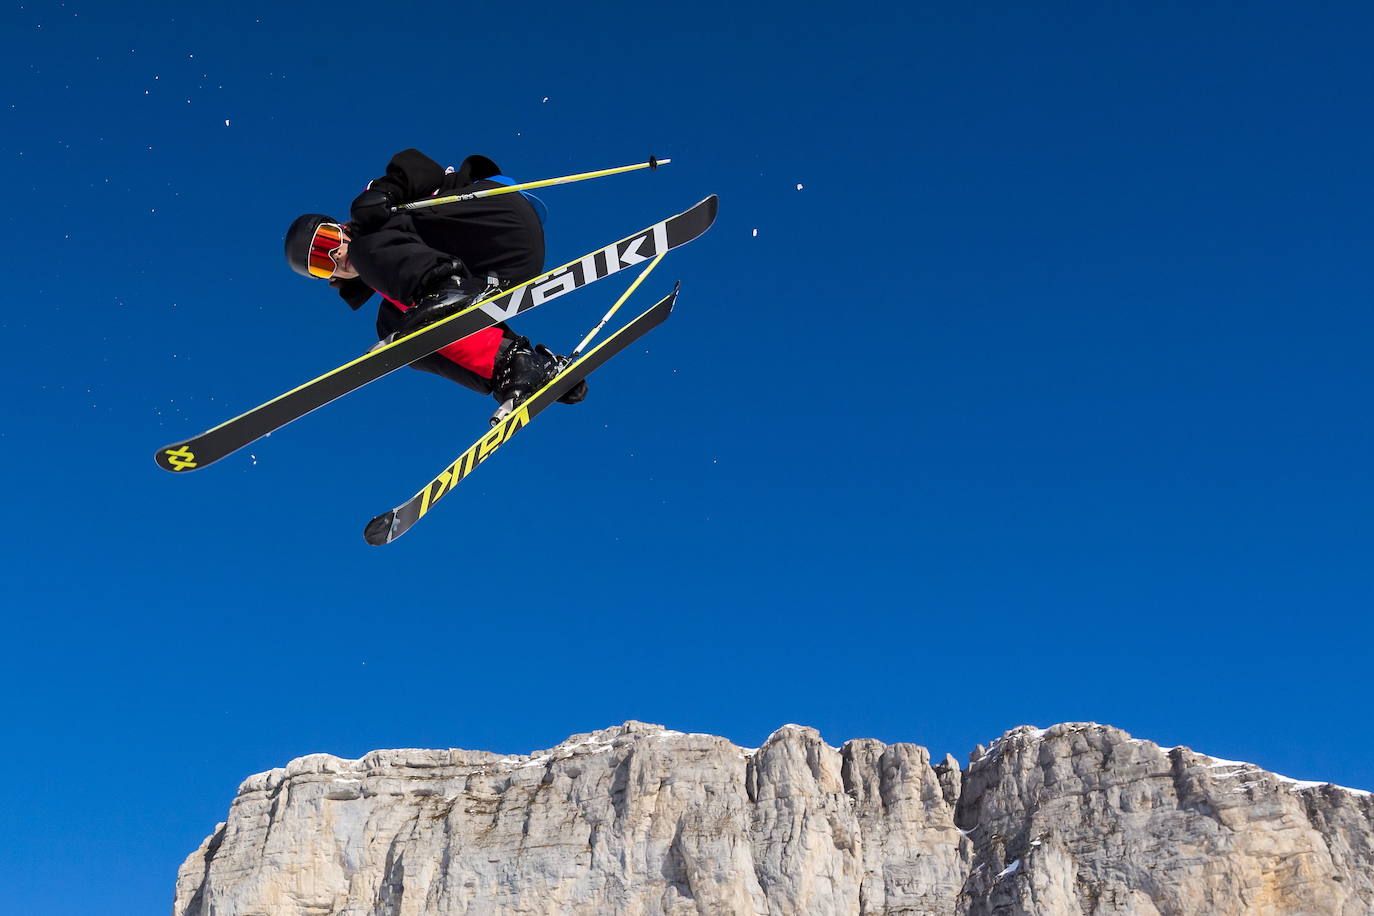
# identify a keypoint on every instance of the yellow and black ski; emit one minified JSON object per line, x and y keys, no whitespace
{"x":388,"y":526}
{"x":214,"y":444}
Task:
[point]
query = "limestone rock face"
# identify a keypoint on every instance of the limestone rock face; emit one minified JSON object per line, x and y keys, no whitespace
{"x":1085,"y":819}
{"x":1076,"y":819}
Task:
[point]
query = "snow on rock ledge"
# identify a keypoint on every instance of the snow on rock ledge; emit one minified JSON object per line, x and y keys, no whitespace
{"x":640,"y":819}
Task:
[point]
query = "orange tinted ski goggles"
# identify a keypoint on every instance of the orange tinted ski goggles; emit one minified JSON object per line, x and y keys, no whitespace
{"x":326,"y":240}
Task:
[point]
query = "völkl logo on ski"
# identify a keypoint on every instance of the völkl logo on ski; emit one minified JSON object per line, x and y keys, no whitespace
{"x":480,"y":451}
{"x":596,"y":266}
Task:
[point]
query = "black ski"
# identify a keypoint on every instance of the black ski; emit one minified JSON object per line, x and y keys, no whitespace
{"x":213,"y":444}
{"x":388,"y":526}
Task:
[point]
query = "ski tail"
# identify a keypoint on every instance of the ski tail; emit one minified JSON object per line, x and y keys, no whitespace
{"x":388,"y":526}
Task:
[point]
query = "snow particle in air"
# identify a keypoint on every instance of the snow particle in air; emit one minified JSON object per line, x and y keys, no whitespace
{"x":756,"y":233}
{"x":799,"y":187}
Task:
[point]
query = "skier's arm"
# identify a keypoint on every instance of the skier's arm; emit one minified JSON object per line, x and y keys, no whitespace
{"x":393,"y":260}
{"x":410,"y":175}
{"x":386,"y":251}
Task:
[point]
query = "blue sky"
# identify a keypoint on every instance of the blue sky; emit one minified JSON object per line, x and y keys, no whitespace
{"x":1044,"y":397}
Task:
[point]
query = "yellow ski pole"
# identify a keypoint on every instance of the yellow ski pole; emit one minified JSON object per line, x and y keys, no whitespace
{"x":618,"y":303}
{"x":529,"y":185}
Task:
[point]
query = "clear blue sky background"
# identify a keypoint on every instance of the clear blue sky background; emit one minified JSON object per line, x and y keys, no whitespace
{"x":1045,"y":398}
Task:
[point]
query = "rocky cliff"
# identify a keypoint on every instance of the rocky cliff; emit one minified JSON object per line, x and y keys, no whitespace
{"x":1076,"y":819}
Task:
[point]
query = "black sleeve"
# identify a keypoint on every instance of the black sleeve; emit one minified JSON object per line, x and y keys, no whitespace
{"x":389,"y":256}
{"x":473,"y":168}
{"x":394,"y":260}
{"x":354,"y":292}
{"x":410,"y":176}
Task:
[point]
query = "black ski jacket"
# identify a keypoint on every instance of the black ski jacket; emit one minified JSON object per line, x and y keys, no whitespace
{"x":497,"y":236}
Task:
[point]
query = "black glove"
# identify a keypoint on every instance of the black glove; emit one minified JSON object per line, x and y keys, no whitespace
{"x":370,"y":209}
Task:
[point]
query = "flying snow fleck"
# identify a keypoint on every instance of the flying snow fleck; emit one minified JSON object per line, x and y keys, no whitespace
{"x":756,"y":233}
{"x":799,"y":187}
{"x":226,"y":122}
{"x":546,"y":98}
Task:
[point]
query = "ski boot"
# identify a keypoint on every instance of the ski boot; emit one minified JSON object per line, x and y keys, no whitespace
{"x":521,"y":370}
{"x":447,"y":296}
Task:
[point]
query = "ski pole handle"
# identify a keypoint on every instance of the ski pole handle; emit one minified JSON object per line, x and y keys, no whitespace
{"x":528,"y":186}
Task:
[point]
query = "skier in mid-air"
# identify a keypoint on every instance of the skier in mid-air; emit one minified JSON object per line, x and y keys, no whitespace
{"x":428,"y":264}
{"x":449,"y":267}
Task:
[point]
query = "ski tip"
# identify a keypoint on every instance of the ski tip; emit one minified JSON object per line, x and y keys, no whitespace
{"x":668,"y":301}
{"x":176,"y":458}
{"x":379,"y":530}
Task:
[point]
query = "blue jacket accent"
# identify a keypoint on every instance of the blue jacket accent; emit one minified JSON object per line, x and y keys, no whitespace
{"x":541,"y":209}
